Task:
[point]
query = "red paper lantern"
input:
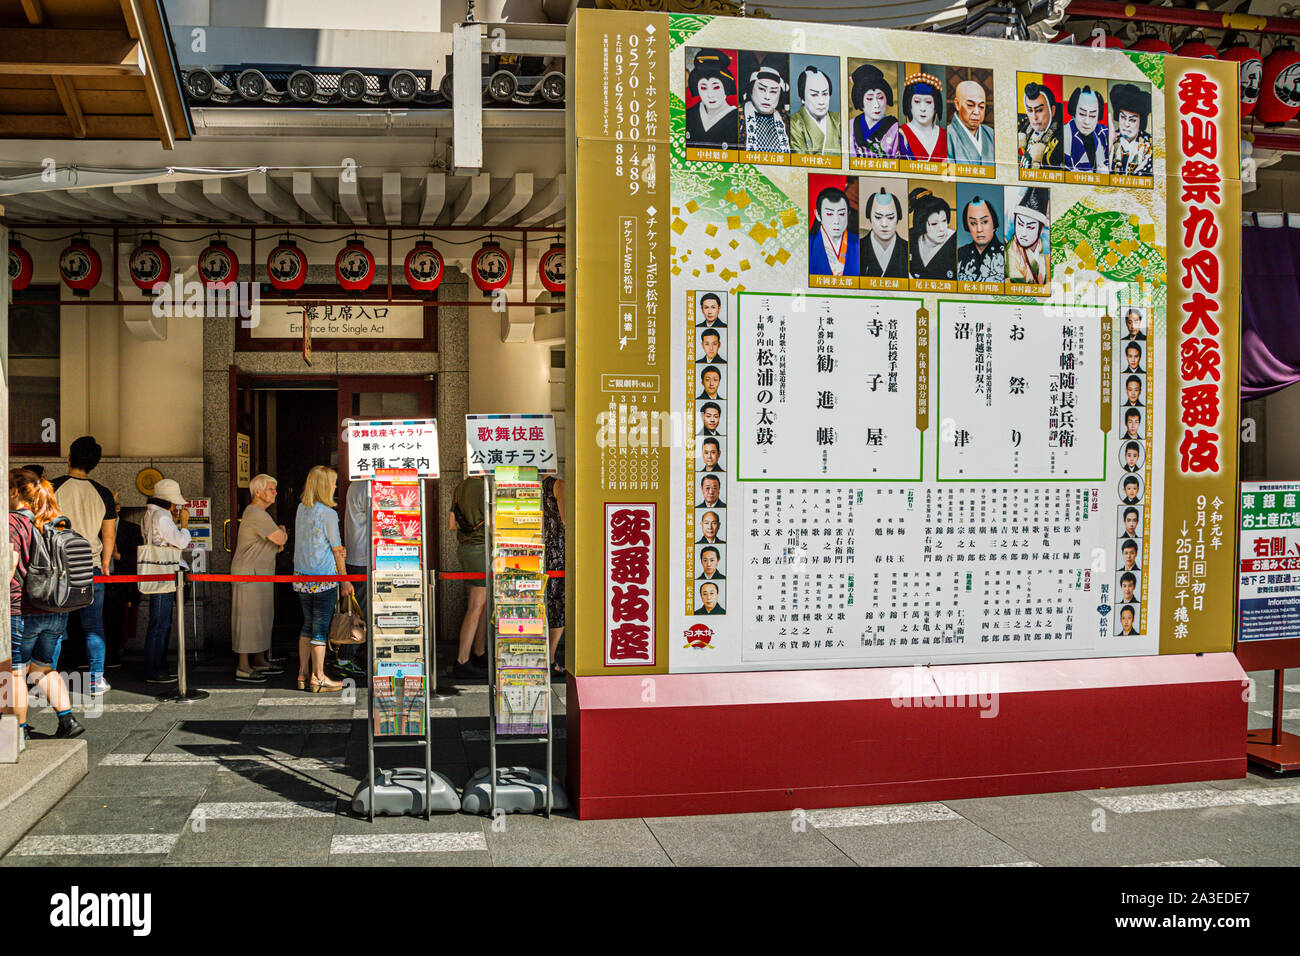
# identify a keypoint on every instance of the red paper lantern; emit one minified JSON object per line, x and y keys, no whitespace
{"x":20,"y":267}
{"x":423,"y":267}
{"x":218,"y":265}
{"x":1150,"y":43}
{"x":80,"y":267}
{"x":1251,"y":69}
{"x":550,"y":270}
{"x":286,"y":267}
{"x":149,"y":266}
{"x":1279,"y":87}
{"x":1196,"y":47}
{"x":354,"y":267}
{"x":1107,"y":39}
{"x":491,"y":267}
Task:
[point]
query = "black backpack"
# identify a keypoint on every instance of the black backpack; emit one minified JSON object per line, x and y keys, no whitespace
{"x":61,"y":574}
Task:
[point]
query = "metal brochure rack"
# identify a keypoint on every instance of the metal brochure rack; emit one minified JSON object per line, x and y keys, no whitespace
{"x":400,"y":790}
{"x":519,"y":692}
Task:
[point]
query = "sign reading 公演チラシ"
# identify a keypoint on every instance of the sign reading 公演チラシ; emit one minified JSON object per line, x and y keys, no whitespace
{"x":894,"y":354}
{"x":1269,"y":599}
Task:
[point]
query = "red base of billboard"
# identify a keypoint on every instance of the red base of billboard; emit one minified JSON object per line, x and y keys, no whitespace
{"x":678,"y":744}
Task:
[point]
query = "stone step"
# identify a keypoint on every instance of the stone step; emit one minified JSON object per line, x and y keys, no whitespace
{"x":29,"y":789}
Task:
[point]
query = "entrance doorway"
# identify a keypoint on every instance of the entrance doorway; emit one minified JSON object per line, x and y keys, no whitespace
{"x":284,"y":425}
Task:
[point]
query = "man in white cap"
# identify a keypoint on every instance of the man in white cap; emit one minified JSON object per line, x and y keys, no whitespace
{"x":165,"y":524}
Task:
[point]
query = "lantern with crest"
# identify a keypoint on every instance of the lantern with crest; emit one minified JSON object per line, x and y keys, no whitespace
{"x":491,"y":267}
{"x":80,"y":266}
{"x":286,"y":266}
{"x":149,"y":266}
{"x":423,"y":267}
{"x":218,"y":265}
{"x":354,"y":267}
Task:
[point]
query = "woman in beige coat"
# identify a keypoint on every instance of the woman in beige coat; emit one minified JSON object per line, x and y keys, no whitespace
{"x":252,"y":608}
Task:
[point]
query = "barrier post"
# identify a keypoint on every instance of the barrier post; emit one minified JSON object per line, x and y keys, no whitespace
{"x":183,"y":693}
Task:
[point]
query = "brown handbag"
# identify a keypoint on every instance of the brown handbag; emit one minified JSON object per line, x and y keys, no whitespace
{"x":347,"y":626}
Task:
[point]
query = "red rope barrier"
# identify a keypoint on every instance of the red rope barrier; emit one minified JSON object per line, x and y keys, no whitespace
{"x":282,"y":578}
{"x":131,"y":578}
{"x":277,"y":578}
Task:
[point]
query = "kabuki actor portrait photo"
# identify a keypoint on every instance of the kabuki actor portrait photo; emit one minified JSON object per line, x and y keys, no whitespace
{"x":815,"y":123}
{"x":1038,"y":134}
{"x":932,"y":251}
{"x":1028,"y":253}
{"x":1087,"y":137}
{"x":884,"y":251}
{"x":970,"y":131}
{"x":983,"y":258}
{"x":833,"y":242}
{"x":712,"y":119}
{"x":924,"y":137}
{"x":875,"y":131}
{"x":1131,"y":153}
{"x":765,"y":102}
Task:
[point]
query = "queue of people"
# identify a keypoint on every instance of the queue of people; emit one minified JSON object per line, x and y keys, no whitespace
{"x":321,"y":548}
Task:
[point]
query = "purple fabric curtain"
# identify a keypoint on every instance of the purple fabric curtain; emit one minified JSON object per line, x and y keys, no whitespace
{"x":1270,"y":307}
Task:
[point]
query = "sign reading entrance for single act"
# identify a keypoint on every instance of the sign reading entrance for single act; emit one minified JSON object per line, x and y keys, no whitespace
{"x":348,"y":321}
{"x":378,"y":445}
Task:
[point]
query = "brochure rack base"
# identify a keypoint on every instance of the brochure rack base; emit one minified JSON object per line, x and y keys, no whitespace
{"x":400,"y":792}
{"x":189,"y":696}
{"x":519,"y":790}
{"x":1281,"y":757}
{"x":747,"y":742}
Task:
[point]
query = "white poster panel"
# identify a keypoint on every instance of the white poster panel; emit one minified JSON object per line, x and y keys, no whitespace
{"x":523,"y":440}
{"x":378,"y":445}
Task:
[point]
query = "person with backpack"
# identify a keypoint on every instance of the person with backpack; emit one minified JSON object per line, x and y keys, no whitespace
{"x":35,"y":633}
{"x":466,"y":519}
{"x":93,"y":513}
{"x":165,"y":525}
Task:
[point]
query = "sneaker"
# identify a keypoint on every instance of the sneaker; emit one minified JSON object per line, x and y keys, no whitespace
{"x":161,"y":679}
{"x":468,"y":672}
{"x":98,"y":688}
{"x":69,"y":727}
{"x":350,"y":669}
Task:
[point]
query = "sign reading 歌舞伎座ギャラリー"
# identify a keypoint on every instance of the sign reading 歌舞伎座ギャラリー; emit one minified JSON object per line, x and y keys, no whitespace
{"x":1269,"y":596}
{"x":523,"y":440}
{"x":903,"y":354}
{"x":384,"y":445}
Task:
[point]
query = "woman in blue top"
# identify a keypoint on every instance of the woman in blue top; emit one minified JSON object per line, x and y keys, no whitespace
{"x":318,"y":549}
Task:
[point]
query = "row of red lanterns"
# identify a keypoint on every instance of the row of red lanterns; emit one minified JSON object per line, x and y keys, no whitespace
{"x":286,"y":266}
{"x":1270,"y":85}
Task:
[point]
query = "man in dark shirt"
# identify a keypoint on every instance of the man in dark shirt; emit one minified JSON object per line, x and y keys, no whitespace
{"x":709,"y":599}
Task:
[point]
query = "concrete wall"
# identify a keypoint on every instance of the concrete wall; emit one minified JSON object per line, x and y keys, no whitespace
{"x":140,"y":399}
{"x":512,"y":376}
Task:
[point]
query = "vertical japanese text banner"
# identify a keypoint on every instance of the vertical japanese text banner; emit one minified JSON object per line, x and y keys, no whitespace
{"x":1203,"y":336}
{"x":618,"y":161}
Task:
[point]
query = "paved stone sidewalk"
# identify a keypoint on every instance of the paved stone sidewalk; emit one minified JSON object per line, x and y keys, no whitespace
{"x":264,"y":775}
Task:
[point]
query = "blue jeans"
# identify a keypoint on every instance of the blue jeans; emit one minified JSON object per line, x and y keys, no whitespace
{"x":317,"y":612}
{"x":35,"y":639}
{"x":91,"y":619}
{"x":157,"y":634}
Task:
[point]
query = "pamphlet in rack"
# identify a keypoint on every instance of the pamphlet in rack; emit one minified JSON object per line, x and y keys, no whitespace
{"x":522,"y":687}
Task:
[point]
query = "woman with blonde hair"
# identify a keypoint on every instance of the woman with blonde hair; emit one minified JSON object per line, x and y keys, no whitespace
{"x":35,"y":634}
{"x":252,"y":605}
{"x":318,"y":550}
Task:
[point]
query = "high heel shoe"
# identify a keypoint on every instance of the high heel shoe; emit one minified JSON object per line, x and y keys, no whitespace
{"x":302,"y":681}
{"x":325,"y":685}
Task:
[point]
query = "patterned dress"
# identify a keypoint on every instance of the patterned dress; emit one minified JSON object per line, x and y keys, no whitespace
{"x":553,"y":530}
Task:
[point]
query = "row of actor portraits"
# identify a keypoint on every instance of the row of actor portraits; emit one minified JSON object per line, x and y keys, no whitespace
{"x":793,"y":103}
{"x":899,"y":229}
{"x":710,"y":454}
